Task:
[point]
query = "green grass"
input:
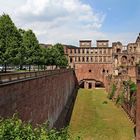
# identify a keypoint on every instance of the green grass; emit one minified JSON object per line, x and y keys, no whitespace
{"x":97,"y":118}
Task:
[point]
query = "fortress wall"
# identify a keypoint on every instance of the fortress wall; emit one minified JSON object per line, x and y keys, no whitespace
{"x":38,"y":99}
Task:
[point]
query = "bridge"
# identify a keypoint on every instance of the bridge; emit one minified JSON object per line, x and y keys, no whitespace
{"x":39,"y":96}
{"x":92,"y":75}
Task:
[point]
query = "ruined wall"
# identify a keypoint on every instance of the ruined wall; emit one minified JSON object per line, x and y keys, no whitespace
{"x":138,"y":111}
{"x":93,"y":71}
{"x":138,"y":104}
{"x":38,"y":99}
{"x":118,"y":88}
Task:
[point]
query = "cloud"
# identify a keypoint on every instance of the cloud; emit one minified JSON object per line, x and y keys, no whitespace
{"x":60,"y":20}
{"x":64,"y":21}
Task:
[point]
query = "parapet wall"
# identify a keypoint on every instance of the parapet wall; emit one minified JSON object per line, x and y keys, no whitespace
{"x":38,"y":99}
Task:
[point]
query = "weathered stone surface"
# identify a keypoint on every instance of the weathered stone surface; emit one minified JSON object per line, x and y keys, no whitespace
{"x":97,"y":72}
{"x":39,"y":99}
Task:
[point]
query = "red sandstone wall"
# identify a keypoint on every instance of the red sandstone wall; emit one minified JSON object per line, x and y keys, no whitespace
{"x":37,"y":100}
{"x":138,"y":112}
{"x":82,"y":71}
{"x":132,"y":73}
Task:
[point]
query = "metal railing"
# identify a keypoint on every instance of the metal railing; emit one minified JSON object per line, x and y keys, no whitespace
{"x":9,"y":77}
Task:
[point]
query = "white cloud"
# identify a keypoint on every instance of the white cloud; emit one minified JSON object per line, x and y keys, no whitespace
{"x":64,"y":21}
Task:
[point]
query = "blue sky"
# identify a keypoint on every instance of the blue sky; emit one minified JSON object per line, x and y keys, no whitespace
{"x":67,"y":21}
{"x":121,"y":15}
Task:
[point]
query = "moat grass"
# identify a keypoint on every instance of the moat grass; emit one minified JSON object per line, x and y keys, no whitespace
{"x":97,"y":118}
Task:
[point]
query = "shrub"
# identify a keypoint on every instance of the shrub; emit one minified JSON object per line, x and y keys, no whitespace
{"x":14,"y":129}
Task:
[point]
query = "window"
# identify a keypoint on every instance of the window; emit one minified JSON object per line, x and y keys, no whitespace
{"x":74,"y":50}
{"x":83,"y":59}
{"x":87,"y":44}
{"x":78,"y":50}
{"x":100,"y":60}
{"x":100,"y":43}
{"x":104,"y":59}
{"x":87,"y":59}
{"x":70,"y":50}
{"x":83,"y":51}
{"x":96,"y":51}
{"x":91,"y":59}
{"x":70,"y":59}
{"x":103,"y":70}
{"x":89,"y":70}
{"x":96,"y":59}
{"x":91,"y":51}
{"x":79,"y":59}
{"x":108,"y":51}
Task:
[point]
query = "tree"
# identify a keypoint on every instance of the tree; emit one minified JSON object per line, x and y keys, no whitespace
{"x":60,"y":59}
{"x":31,"y":45}
{"x":10,"y":41}
{"x":22,"y":51}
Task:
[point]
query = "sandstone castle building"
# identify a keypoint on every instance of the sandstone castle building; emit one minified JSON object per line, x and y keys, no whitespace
{"x":93,"y":63}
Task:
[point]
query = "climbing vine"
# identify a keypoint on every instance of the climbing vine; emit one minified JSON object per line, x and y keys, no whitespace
{"x":113,"y":89}
{"x":121,"y":98}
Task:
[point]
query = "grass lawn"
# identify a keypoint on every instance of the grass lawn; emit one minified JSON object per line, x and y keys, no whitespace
{"x":94,"y":119}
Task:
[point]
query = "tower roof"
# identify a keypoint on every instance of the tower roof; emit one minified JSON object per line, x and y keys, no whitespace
{"x":138,"y":38}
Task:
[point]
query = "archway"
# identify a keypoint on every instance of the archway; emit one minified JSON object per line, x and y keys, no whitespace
{"x":124,"y":60}
{"x":89,"y":85}
{"x":99,"y":84}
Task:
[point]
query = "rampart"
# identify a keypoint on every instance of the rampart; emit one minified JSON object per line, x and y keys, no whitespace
{"x":39,"y":99}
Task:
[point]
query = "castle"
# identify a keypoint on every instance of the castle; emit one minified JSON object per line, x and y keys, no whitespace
{"x":93,"y":64}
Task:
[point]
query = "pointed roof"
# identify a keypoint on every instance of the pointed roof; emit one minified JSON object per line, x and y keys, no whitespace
{"x":138,"y":38}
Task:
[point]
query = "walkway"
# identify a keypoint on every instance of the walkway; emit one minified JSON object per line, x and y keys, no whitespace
{"x":96,"y":118}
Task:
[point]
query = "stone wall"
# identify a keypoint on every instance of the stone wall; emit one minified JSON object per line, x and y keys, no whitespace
{"x":122,"y":95}
{"x":138,"y":104}
{"x":138,"y":111}
{"x":97,"y":72}
{"x":38,"y":99}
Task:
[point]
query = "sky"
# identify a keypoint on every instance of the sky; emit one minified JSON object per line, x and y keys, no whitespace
{"x":68,"y":21}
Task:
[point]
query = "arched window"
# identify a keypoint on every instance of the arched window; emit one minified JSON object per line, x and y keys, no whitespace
{"x":124,"y":60}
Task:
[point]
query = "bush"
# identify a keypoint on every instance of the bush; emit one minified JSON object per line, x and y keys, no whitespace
{"x":14,"y":129}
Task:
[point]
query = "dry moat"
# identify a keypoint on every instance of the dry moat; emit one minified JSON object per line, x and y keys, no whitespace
{"x":97,"y":118}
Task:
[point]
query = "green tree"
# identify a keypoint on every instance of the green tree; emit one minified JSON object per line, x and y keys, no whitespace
{"x":31,"y":45}
{"x":60,"y":58}
{"x":10,"y":41}
{"x":22,"y":51}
